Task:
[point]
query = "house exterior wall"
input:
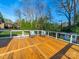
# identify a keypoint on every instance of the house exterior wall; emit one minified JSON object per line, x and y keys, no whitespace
{"x":2,"y":26}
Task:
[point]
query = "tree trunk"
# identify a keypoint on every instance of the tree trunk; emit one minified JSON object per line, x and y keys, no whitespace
{"x":75,"y":12}
{"x":69,"y":22}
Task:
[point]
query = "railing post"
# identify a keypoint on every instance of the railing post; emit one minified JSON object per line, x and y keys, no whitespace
{"x":48,"y":33}
{"x":71,"y":38}
{"x":42,"y":32}
{"x":22,"y":33}
{"x":37,"y":32}
{"x":56,"y":35}
{"x":65,"y":37}
{"x":75,"y":38}
{"x":10,"y":34}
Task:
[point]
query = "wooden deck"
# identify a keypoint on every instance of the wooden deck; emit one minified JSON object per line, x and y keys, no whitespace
{"x":39,"y":48}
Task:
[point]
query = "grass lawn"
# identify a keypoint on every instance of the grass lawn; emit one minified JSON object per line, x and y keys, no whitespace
{"x":7,"y":33}
{"x":4,"y":34}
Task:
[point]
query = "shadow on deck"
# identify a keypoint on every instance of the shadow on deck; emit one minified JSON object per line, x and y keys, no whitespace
{"x":62,"y":52}
{"x":4,"y":42}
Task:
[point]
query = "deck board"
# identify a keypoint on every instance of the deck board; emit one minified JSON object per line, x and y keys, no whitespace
{"x":39,"y":48}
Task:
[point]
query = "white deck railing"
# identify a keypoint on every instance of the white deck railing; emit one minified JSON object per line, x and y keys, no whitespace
{"x":10,"y":34}
{"x":70,"y":37}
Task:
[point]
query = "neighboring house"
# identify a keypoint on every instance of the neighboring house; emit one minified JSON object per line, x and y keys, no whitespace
{"x":1,"y":24}
{"x":11,"y":26}
{"x":8,"y":25}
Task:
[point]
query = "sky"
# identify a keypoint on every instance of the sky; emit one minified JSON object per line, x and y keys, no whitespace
{"x":7,"y":7}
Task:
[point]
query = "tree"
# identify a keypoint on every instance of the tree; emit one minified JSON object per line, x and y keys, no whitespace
{"x":18,"y":13}
{"x":1,"y":17}
{"x":49,"y":16}
{"x":76,"y":3}
{"x":28,"y":9}
{"x":66,"y":9}
{"x":75,"y":11}
{"x":36,"y":10}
